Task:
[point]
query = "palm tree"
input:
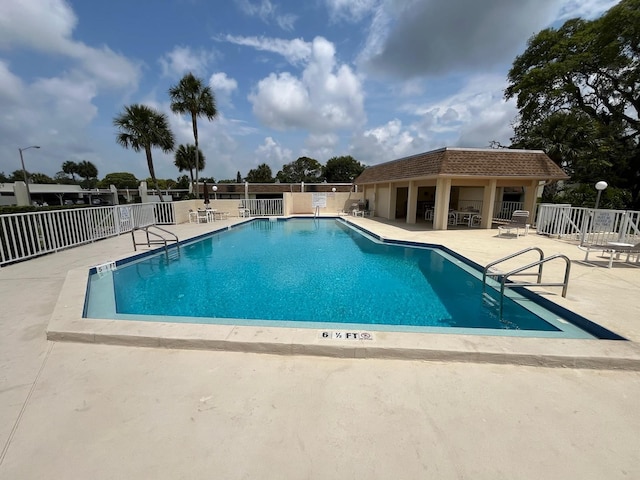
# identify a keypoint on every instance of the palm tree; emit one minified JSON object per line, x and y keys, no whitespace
{"x":191,"y":96}
{"x":186,"y":159}
{"x":87,"y":170}
{"x":70,"y":168}
{"x":141,"y":128}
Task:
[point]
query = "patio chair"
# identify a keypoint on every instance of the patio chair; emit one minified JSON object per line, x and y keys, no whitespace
{"x":203,"y":216}
{"x":243,"y":211}
{"x":614,"y":249}
{"x":519,"y":222}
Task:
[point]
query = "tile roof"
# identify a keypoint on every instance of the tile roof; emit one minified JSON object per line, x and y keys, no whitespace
{"x":466,"y":162}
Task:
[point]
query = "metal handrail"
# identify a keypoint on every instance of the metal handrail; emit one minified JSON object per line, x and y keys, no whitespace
{"x":162,"y":240}
{"x":486,"y":273}
{"x":563,"y":284}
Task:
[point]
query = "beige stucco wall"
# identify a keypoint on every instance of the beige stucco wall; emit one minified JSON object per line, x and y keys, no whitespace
{"x":302,"y":203}
{"x":471,"y":193}
{"x":294,"y":204}
{"x":182,"y":207}
{"x":382,"y":201}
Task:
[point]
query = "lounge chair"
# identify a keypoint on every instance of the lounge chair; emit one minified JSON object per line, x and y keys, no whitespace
{"x":519,"y":222}
{"x":614,"y":249}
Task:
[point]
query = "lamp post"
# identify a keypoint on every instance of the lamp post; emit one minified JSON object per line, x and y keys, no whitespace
{"x":24,"y":171}
{"x":215,"y":192}
{"x":600,"y":186}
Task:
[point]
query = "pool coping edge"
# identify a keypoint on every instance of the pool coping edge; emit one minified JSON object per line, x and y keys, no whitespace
{"x":68,"y":325}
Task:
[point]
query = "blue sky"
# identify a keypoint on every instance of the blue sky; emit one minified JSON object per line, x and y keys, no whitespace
{"x":375,"y":79}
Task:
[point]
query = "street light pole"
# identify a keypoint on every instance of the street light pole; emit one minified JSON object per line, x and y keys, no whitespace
{"x":24,"y":171}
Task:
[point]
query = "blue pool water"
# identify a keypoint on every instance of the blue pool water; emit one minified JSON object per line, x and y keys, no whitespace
{"x":313,"y":273}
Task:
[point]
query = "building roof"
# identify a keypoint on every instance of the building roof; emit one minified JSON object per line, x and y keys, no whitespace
{"x":37,"y":188}
{"x":466,"y":162}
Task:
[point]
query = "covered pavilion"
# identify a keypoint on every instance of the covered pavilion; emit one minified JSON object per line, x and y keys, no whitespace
{"x":434,"y":183}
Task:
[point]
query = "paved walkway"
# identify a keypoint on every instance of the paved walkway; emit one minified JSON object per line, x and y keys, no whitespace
{"x":78,"y":411}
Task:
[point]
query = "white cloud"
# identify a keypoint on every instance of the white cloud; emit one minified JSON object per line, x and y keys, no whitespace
{"x":320,"y":146}
{"x":51,"y":112}
{"x":268,"y":12}
{"x":295,"y":51}
{"x":47,"y":26}
{"x":471,"y":117}
{"x":326,"y":97}
{"x":220,"y":82}
{"x":351,"y":10}
{"x":12,"y":88}
{"x":325,"y":140}
{"x":183,"y":60}
{"x":223,"y":87}
{"x":44,"y":25}
{"x":585,"y":8}
{"x":271,"y":152}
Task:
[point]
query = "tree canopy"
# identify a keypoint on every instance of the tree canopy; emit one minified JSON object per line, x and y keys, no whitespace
{"x":577,"y":91}
{"x":89,"y":172}
{"x":304,"y":169}
{"x":119,"y":180}
{"x":260,"y":174}
{"x":342,"y":169}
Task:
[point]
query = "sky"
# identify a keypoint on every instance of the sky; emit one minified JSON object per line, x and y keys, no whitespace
{"x":374,"y":79}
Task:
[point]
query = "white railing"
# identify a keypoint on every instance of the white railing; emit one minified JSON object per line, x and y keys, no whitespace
{"x":263,"y":207}
{"x":588,"y":226}
{"x":27,"y":235}
{"x":470,"y":205}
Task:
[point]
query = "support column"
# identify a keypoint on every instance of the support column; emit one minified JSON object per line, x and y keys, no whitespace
{"x":441,"y":208}
{"x":142,"y":189}
{"x":530,"y":199}
{"x":412,"y":202}
{"x":373,"y":207}
{"x":488,"y":204}
{"x":21,"y":194}
{"x":392,"y":202}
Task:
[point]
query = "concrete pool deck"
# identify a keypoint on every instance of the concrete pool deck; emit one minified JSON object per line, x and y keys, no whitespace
{"x":73,"y":410}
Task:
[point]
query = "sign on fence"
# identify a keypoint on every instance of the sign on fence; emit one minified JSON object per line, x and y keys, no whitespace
{"x":603,"y":221}
{"x":319,"y":200}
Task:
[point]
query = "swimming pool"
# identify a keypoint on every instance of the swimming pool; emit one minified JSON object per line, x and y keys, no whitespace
{"x":317,"y":273}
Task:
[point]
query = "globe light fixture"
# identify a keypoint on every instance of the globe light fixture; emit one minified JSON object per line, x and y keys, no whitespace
{"x":600,"y":186}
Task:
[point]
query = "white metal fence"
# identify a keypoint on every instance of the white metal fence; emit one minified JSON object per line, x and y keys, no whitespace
{"x":501,"y":211}
{"x":267,"y":207}
{"x":588,"y":226}
{"x":26,"y":235}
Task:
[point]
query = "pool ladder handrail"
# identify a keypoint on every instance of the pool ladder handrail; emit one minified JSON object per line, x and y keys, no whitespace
{"x":519,"y":271}
{"x":487,"y":273}
{"x":161,"y":239}
{"x":564,"y":284}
